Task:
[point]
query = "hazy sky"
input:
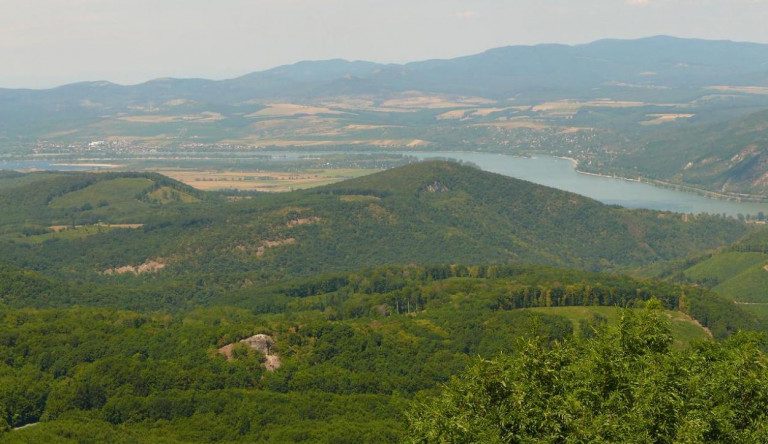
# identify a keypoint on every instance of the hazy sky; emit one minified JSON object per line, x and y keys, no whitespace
{"x":46,"y":43}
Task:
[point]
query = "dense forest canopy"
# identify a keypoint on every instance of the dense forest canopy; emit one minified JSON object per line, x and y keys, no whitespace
{"x":132,"y":308}
{"x":625,"y":384}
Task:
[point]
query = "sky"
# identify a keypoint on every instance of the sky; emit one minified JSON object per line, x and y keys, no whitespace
{"x":46,"y":43}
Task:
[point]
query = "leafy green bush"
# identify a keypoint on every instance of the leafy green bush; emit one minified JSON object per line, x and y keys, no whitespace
{"x":625,"y":385}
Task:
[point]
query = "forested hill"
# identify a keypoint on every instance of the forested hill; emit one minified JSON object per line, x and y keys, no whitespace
{"x":426,"y":213}
{"x":726,"y":157}
{"x":519,"y":221}
{"x":128,"y":303}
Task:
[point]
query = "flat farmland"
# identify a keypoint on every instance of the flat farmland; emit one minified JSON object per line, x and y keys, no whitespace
{"x":268,"y":181}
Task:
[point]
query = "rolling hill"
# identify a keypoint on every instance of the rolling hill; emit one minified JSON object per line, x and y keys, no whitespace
{"x":115,"y":330}
{"x":426,"y":213}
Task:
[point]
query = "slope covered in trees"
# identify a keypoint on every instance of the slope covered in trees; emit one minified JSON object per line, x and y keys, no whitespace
{"x":114,"y":331}
{"x":624,"y":385}
{"x":356,"y":351}
{"x":725,"y":156}
{"x":431,"y":212}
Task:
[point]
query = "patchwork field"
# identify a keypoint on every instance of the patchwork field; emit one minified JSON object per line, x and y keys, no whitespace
{"x":741,"y":89}
{"x":657,"y":119}
{"x":267,"y":181}
{"x":291,"y":109}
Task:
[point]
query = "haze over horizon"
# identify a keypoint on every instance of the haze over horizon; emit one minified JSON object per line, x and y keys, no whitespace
{"x":48,"y":43}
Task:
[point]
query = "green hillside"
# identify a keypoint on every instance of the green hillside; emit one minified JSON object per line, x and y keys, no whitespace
{"x":751,"y":285}
{"x":40,"y":200}
{"x":684,"y":329}
{"x":737,"y":273}
{"x":726,"y":156}
{"x":431,"y":212}
{"x":725,"y":266}
{"x":130,"y":329}
{"x":355,"y":350}
{"x":122,"y":192}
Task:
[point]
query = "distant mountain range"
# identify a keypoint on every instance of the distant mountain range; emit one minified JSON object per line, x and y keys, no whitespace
{"x":654,"y":62}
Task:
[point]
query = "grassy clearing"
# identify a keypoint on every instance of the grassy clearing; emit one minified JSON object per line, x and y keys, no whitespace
{"x":684,"y":328}
{"x":757,"y":309}
{"x":735,"y":276}
{"x":359,"y":198}
{"x":750,"y":285}
{"x":164,"y":195}
{"x":117,"y":193}
{"x":725,"y":266}
{"x":68,"y":234}
{"x":63,"y":232}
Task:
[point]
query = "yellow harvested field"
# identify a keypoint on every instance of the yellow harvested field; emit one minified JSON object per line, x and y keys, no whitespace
{"x":369,"y":127}
{"x":516,"y":124}
{"x":417,"y":100}
{"x":350,"y":102}
{"x":291,"y":109}
{"x":658,"y":119}
{"x":62,"y":133}
{"x":178,"y":102}
{"x":741,"y":89}
{"x":268,"y":181}
{"x":417,"y":143}
{"x":299,"y":126}
{"x":454,"y":114}
{"x":478,"y":112}
{"x":206,"y":116}
{"x":486,"y":111}
{"x":572,"y":106}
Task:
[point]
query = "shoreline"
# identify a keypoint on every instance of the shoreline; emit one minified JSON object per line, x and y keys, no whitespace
{"x":745,"y":198}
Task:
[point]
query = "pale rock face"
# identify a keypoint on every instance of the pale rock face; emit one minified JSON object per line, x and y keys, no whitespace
{"x":150,"y":266}
{"x":260,"y":342}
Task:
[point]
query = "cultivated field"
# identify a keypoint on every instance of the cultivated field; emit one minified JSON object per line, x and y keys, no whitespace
{"x":268,"y":181}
